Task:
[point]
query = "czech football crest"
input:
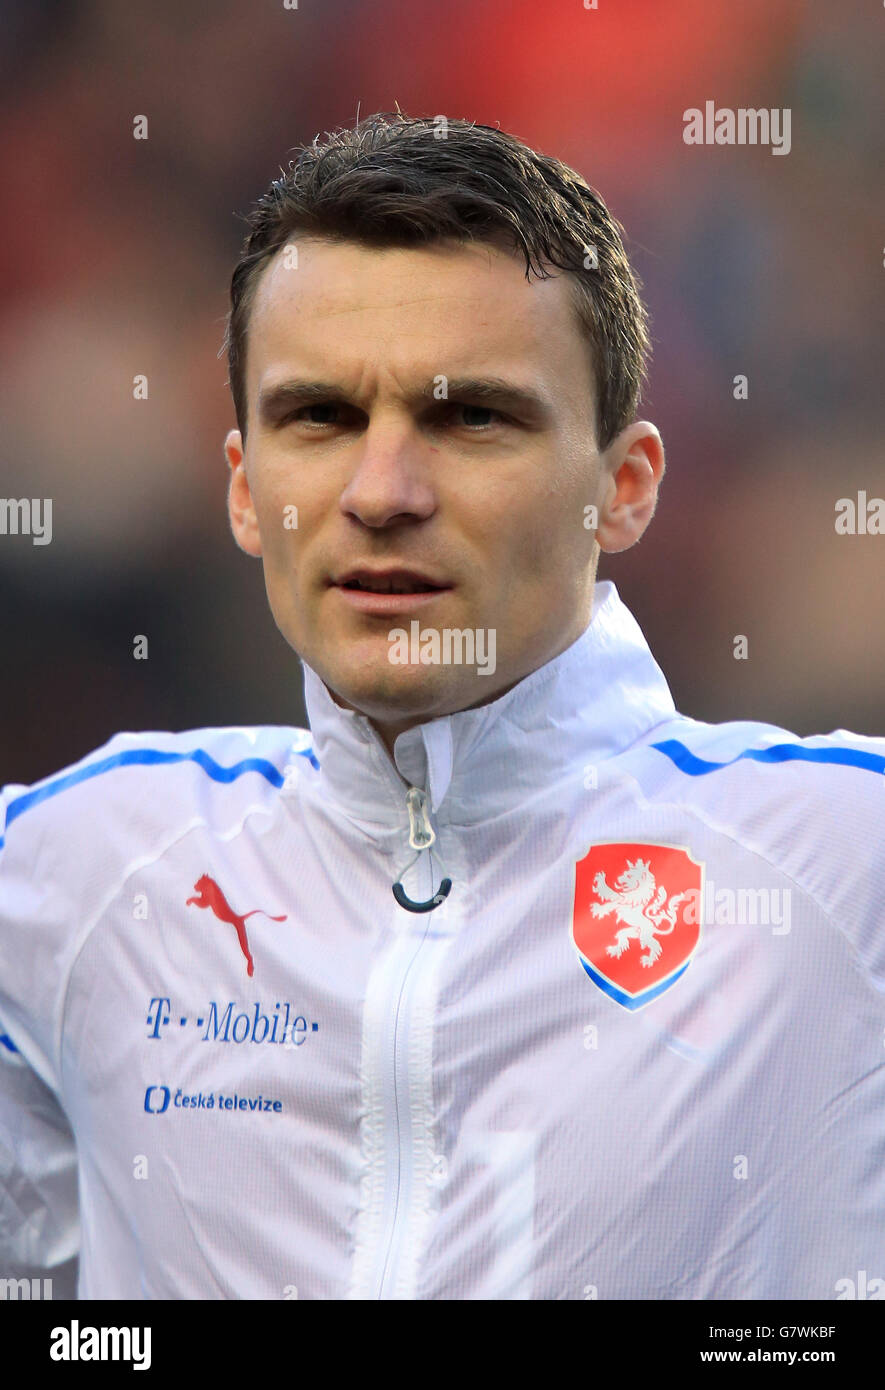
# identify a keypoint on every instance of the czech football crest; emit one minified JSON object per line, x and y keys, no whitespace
{"x":636,"y":919}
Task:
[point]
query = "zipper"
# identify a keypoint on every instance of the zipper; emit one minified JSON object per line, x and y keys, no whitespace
{"x":403,"y":1171}
{"x":421,"y":837}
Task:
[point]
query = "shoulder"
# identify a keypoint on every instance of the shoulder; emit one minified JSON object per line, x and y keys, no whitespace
{"x":148,"y":779}
{"x":814,"y":807}
{"x":743,"y":765}
{"x":65,"y":838}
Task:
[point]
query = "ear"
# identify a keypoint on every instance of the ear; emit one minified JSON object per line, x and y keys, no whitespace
{"x":631,"y":471}
{"x":240,"y":508}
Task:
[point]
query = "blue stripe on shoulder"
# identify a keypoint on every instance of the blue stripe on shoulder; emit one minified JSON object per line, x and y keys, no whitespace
{"x":150,"y":757}
{"x":693,"y":766}
{"x":6,"y":1041}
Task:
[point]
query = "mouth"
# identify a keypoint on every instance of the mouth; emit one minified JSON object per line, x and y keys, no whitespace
{"x":392,"y":581}
{"x":388,"y":591}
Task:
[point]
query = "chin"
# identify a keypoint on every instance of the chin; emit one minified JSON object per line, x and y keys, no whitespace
{"x":390,"y":693}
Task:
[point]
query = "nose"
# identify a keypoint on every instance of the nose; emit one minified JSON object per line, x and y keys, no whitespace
{"x":391,"y":478}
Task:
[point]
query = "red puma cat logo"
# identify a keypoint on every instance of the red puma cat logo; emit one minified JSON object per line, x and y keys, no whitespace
{"x":210,"y":895}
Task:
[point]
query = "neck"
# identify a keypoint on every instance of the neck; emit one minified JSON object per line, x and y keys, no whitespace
{"x":389,"y":730}
{"x":598,"y":696}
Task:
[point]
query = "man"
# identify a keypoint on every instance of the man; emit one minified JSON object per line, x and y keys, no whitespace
{"x":505,"y":980}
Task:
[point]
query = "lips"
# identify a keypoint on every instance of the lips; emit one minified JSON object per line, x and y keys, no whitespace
{"x":389,"y":581}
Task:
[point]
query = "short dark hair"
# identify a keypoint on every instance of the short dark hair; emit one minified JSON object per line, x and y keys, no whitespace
{"x":396,"y":180}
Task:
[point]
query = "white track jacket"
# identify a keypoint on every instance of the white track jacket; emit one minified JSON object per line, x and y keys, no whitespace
{"x":637,"y":1052}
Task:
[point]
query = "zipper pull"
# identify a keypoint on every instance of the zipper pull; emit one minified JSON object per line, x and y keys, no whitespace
{"x":421,"y":837}
{"x":421,"y":832}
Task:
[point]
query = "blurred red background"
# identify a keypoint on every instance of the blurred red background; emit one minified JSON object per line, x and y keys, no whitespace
{"x":116,"y":260}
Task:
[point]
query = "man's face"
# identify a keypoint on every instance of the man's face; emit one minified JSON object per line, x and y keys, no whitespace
{"x":395,"y":465}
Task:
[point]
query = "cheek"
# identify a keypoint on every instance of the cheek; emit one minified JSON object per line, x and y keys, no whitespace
{"x":280,"y":520}
{"x":542,"y":544}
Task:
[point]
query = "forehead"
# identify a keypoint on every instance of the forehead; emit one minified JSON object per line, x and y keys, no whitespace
{"x":414,"y":311}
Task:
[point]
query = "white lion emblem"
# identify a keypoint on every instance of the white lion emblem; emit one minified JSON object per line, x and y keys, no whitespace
{"x":637,"y":901}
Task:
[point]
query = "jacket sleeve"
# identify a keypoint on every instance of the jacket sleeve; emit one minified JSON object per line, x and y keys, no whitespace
{"x":39,"y":1223}
{"x":846,"y":873}
{"x":40,"y":864}
{"x":39,"y":1228}
{"x":57,"y":840}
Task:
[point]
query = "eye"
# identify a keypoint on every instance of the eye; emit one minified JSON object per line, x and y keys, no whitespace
{"x":321,"y":408}
{"x":476,"y":418}
{"x":478,"y":410}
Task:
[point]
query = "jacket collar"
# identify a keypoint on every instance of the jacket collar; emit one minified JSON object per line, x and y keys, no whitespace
{"x":590,"y":702}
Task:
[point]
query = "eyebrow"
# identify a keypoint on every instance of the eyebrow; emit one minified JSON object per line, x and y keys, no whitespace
{"x":276,"y":401}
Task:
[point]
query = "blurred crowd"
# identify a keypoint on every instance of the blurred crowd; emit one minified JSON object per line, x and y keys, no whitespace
{"x":116,"y":257}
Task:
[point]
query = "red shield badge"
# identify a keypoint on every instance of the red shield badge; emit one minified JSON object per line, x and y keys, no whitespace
{"x":636,"y":919}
